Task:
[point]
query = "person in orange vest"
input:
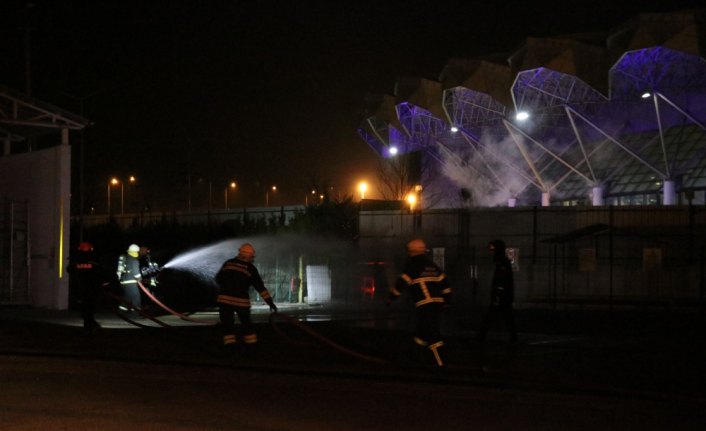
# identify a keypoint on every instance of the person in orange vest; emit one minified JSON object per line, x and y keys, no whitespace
{"x":234,"y":280}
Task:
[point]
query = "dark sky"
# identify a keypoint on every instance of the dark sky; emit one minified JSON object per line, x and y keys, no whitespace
{"x":264,"y":92}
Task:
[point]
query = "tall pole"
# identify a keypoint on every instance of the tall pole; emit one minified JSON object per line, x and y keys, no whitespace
{"x":28,"y":46}
{"x":122,"y":197}
{"x":210,"y":194}
{"x":109,"y":206}
{"x":82,"y":146}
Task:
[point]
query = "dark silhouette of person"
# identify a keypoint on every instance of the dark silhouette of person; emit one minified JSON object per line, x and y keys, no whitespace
{"x":502,"y":293}
{"x":90,"y":278}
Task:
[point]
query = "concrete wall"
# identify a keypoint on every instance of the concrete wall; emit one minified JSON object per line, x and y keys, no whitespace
{"x":43,"y":179}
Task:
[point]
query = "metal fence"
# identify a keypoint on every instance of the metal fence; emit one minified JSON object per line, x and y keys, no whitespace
{"x":609,"y":256}
{"x":14,"y":253}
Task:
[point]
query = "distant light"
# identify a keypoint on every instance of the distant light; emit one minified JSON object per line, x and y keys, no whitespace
{"x":522,"y":116}
{"x":363,"y":186}
{"x":454,"y":129}
{"x":393,"y":150}
{"x":646,"y":95}
{"x":412,"y":200}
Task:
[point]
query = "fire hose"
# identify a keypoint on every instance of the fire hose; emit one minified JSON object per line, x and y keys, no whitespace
{"x":323,"y":339}
{"x":171,"y":311}
{"x":289,"y":319}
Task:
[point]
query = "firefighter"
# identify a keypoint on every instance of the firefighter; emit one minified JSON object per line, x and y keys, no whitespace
{"x":502,"y":293}
{"x":429,"y":290}
{"x":148,"y":268}
{"x":234,"y":280}
{"x":90,"y":278}
{"x":129,"y":274}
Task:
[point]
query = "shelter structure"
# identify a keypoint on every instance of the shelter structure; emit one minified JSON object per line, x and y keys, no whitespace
{"x":614,"y":118}
{"x":35,"y":194}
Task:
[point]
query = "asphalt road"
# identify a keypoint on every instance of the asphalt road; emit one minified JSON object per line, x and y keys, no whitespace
{"x":53,"y":377}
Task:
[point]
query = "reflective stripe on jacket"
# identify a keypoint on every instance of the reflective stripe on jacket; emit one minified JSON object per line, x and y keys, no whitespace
{"x":426,"y":282}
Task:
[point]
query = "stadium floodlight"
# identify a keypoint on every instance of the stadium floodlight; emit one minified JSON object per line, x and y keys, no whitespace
{"x":454,"y":129}
{"x":646,"y":95}
{"x":522,"y":115}
{"x":393,"y":151}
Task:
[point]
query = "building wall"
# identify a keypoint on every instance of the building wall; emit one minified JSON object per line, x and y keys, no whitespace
{"x":43,"y":179}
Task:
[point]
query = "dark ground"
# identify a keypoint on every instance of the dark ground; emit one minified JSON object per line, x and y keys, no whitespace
{"x":655,"y":358}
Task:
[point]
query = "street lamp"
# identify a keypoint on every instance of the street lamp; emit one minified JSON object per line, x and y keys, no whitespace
{"x":267,"y":195}
{"x":114,"y":182}
{"x":412,"y":200}
{"x":232,"y":185}
{"x":362,"y":187}
{"x":306,"y":197}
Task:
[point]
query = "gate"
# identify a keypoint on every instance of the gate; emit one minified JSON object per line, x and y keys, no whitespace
{"x":14,"y":253}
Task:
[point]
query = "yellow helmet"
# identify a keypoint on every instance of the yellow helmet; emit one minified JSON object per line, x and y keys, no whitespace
{"x":133,"y":250}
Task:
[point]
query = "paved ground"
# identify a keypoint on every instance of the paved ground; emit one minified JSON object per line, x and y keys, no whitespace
{"x":351,"y":368}
{"x":633,"y":353}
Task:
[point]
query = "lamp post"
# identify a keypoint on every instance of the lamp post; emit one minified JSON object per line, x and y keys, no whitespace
{"x":131,"y":180}
{"x":306,"y":197}
{"x":267,"y":195}
{"x":411,"y":200}
{"x":232,"y":185}
{"x":82,"y":145}
{"x":114,"y":182}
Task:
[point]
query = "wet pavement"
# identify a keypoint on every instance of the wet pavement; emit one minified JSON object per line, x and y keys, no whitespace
{"x":657,"y":354}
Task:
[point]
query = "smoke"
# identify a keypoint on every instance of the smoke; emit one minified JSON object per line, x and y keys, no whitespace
{"x":479,"y":170}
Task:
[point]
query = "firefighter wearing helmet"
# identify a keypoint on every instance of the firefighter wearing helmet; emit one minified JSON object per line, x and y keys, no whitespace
{"x":89,"y":278}
{"x":129,"y":274}
{"x":234,"y":280}
{"x":428,"y":288}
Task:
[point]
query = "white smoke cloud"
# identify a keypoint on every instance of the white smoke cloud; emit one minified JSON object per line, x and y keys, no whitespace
{"x":489,"y":181}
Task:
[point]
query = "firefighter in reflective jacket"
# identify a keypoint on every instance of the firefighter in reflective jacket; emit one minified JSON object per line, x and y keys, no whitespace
{"x":429,"y":290}
{"x":234,"y":280}
{"x":129,"y":274}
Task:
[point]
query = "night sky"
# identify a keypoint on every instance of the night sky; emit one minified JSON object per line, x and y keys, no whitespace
{"x":262,"y":92}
